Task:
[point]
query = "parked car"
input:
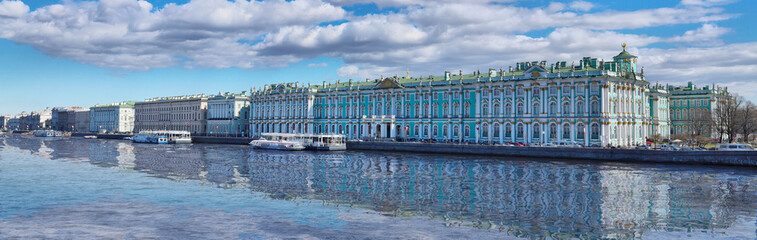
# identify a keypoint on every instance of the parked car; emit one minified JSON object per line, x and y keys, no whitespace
{"x":644,"y":147}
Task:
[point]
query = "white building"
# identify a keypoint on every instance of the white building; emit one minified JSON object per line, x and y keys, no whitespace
{"x":172,"y":113}
{"x":116,"y":117}
{"x":228,"y":115}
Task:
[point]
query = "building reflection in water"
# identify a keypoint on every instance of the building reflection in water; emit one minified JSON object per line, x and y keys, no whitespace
{"x":535,"y":199}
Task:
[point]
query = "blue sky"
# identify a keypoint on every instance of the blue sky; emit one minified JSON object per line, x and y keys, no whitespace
{"x":82,"y":53}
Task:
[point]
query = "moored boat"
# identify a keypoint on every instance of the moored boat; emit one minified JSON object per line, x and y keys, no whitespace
{"x":277,"y":141}
{"x":162,"y":137}
{"x":47,"y":133}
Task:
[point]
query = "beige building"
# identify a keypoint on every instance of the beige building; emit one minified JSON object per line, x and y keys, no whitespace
{"x":172,"y":113}
{"x":115,"y":117}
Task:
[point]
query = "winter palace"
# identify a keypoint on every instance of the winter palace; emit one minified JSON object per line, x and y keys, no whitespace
{"x":592,"y":103}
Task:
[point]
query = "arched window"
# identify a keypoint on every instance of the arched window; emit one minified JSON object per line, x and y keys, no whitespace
{"x":535,"y":109}
{"x":457,"y":131}
{"x":565,"y":108}
{"x":485,"y":130}
{"x":536,"y":134}
{"x":508,"y":111}
{"x":594,"y":107}
{"x":466,"y":109}
{"x":594,"y":131}
{"x":445,"y":134}
{"x":566,"y":131}
{"x":519,"y":111}
{"x":436,"y":130}
{"x":407,"y":110}
{"x":445,"y":109}
{"x":580,"y":108}
{"x":485,"y":109}
{"x":519,"y":130}
{"x":508,"y":131}
{"x":496,"y":130}
{"x":370,"y":110}
{"x":417,"y":111}
{"x":553,"y":131}
{"x":456,"y":110}
{"x":580,"y":131}
{"x":552,"y":108}
{"x":425,"y":110}
{"x":496,"y":109}
{"x":415,"y":129}
{"x":467,"y":130}
{"x":435,"y":110}
{"x":398,"y":109}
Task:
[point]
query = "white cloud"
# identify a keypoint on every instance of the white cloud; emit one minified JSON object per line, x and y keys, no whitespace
{"x":581,"y":5}
{"x":708,"y":33}
{"x":706,"y":2}
{"x":131,"y":34}
{"x":318,"y":65}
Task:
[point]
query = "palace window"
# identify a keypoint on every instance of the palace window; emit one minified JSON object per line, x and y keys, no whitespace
{"x":566,"y":90}
{"x":594,"y":131}
{"x":508,"y":111}
{"x":594,"y":107}
{"x":508,"y":91}
{"x":520,"y":109}
{"x":565,"y":108}
{"x":467,"y":109}
{"x":553,"y":131}
{"x":580,"y":108}
{"x":417,"y":111}
{"x":536,"y":91}
{"x":485,"y":131}
{"x":566,"y":131}
{"x":485,"y":109}
{"x":552,"y":108}
{"x":536,"y":134}
{"x":508,"y":131}
{"x":435,"y":110}
{"x":496,"y":109}
{"x":496,"y":130}
{"x":467,"y":130}
{"x":535,"y":109}
{"x":552,"y":91}
{"x":520,"y":91}
{"x":580,"y":129}
{"x":445,"y":108}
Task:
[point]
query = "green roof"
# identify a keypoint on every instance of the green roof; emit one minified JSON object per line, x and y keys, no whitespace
{"x":121,"y":104}
{"x":624,"y":54}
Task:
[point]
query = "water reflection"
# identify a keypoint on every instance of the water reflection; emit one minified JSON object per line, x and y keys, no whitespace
{"x":527,"y":198}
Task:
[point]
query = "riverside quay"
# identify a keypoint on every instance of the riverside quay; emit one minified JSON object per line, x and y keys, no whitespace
{"x":594,"y":103}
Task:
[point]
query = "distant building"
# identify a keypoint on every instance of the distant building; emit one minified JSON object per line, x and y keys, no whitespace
{"x":116,"y":117}
{"x":37,"y":120}
{"x":172,"y":113}
{"x":81,"y":120}
{"x":228,"y":115}
{"x":692,"y":109}
{"x":4,"y":121}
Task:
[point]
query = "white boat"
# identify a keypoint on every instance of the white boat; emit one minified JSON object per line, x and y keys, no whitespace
{"x":735,"y":147}
{"x":90,"y":137}
{"x":162,"y":136}
{"x":277,"y":141}
{"x":47,"y":133}
{"x":324,"y":142}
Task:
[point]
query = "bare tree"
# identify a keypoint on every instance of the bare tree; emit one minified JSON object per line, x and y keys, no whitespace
{"x":701,"y":123}
{"x":745,"y":119}
{"x":726,"y":116}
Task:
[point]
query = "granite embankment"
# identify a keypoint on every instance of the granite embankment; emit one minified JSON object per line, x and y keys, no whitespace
{"x":728,"y":158}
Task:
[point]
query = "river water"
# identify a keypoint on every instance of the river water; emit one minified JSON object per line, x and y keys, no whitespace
{"x":94,"y":188}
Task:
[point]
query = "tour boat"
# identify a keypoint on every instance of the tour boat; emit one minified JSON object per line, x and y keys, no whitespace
{"x":324,"y":142}
{"x":47,"y":133}
{"x":162,"y":137}
{"x":278,"y":141}
{"x":90,"y":137}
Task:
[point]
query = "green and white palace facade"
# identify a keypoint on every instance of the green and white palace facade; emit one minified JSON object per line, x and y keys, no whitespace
{"x":593,"y":103}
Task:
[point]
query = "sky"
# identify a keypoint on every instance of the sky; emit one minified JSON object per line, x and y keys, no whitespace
{"x":60,"y":53}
